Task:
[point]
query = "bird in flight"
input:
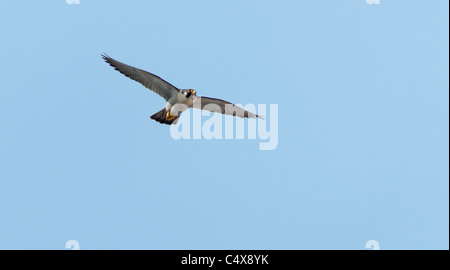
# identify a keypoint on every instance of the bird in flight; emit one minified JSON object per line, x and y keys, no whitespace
{"x":175,"y":96}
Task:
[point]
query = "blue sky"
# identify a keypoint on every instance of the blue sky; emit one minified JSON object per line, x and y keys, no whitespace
{"x":363,"y":106}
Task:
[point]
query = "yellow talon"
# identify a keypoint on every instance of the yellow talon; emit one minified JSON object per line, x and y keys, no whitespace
{"x":168,"y":116}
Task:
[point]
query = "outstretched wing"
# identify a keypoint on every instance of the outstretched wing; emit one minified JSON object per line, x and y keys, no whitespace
{"x":147,"y":79}
{"x":222,"y":106}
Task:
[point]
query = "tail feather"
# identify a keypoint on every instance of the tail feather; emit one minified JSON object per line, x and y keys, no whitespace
{"x":161,"y":118}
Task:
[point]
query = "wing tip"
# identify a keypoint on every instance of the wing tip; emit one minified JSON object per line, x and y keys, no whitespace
{"x":106,"y":57}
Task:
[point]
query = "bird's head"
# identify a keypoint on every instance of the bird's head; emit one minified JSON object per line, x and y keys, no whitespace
{"x":189,"y":92}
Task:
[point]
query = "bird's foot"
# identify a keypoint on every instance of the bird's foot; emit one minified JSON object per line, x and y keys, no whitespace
{"x":169,"y":117}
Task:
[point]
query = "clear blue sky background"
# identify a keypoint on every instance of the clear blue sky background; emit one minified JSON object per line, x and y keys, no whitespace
{"x":363,"y":96}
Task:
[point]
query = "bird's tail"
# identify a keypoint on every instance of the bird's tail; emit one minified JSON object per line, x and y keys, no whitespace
{"x":161,"y":118}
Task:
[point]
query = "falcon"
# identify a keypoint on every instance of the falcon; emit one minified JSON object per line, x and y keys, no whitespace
{"x":175,"y":97}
